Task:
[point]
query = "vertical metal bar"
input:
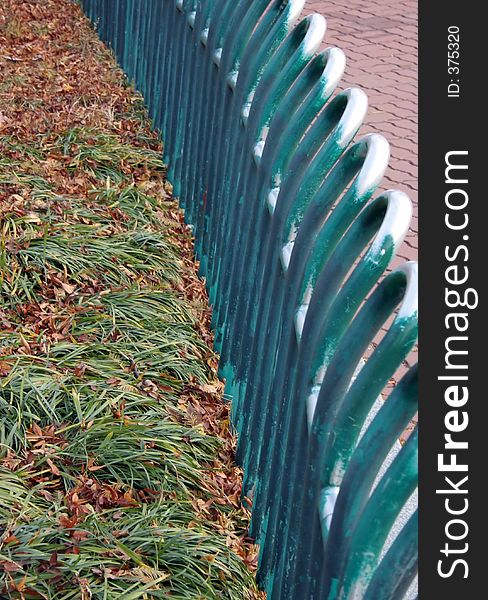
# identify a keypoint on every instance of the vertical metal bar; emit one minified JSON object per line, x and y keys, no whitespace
{"x":396,"y":571}
{"x":338,"y":124}
{"x":376,"y":520}
{"x":366,"y":162}
{"x":242,"y":81}
{"x":298,"y":109}
{"x":341,"y":369}
{"x":212,"y":41}
{"x":291,"y":57}
{"x":346,"y":356}
{"x":205,"y":49}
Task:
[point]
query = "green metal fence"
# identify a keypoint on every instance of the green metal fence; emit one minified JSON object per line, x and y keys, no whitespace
{"x":294,"y":249}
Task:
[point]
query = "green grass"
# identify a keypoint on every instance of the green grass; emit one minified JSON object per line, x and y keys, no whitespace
{"x":106,"y":482}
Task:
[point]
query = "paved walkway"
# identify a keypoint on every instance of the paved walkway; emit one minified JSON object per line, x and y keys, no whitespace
{"x":379,"y":38}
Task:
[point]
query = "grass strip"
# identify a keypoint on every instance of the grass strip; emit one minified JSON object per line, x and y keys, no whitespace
{"x":116,"y":462}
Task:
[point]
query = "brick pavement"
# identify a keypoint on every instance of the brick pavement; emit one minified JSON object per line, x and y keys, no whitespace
{"x":379,"y":39}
